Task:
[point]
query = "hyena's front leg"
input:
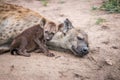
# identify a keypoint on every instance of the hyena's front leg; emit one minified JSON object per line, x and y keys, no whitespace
{"x":38,"y":49}
{"x":43,"y":47}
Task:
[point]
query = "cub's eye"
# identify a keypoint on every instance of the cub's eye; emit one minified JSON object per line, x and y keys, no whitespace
{"x":52,"y":33}
{"x":79,"y":38}
{"x":46,"y":31}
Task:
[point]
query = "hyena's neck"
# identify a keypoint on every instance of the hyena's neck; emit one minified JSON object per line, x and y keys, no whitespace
{"x":57,"y":45}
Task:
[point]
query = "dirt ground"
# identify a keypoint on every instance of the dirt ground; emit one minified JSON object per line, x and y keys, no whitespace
{"x":103,"y":61}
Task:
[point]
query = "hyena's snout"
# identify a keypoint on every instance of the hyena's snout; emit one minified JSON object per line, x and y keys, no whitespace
{"x":83,"y":50}
{"x":80,"y":51}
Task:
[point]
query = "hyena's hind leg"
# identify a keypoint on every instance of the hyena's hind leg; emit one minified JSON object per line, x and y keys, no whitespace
{"x":22,"y":48}
{"x":23,"y":52}
{"x":19,"y":47}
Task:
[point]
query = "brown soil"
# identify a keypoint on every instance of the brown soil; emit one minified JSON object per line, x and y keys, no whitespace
{"x":103,"y":61}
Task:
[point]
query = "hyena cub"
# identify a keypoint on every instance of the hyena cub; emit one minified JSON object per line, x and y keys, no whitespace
{"x":33,"y":38}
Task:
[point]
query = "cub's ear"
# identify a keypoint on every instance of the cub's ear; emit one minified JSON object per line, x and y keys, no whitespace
{"x":42,"y":22}
{"x":61,"y":27}
{"x":51,"y":25}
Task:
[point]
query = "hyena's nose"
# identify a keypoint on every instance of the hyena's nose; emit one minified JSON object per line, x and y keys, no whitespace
{"x":85,"y":50}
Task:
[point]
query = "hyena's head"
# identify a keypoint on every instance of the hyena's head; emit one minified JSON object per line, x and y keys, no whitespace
{"x":77,"y":39}
{"x":50,"y":28}
{"x":79,"y":43}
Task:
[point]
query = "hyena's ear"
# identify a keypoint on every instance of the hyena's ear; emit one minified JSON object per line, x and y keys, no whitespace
{"x":65,"y":27}
{"x":42,"y":22}
{"x":68,"y":24}
{"x":61,"y":27}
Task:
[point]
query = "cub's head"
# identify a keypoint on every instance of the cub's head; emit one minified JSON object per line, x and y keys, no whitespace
{"x":50,"y":28}
{"x":77,"y":40}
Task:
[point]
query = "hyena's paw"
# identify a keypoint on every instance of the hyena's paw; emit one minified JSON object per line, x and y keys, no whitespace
{"x":50,"y":55}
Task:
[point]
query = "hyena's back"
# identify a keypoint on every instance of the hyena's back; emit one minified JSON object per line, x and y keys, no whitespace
{"x":15,"y":19}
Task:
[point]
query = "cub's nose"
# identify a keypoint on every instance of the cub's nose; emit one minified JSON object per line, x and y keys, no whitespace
{"x":48,"y":39}
{"x":85,"y":50}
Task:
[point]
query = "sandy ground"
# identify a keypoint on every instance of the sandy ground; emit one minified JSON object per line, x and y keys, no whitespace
{"x":103,"y":61}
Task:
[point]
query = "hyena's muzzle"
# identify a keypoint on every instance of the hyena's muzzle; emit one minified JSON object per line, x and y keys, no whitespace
{"x":81,"y":49}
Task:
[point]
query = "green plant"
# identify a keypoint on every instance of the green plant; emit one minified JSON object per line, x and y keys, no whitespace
{"x":94,"y":8}
{"x":99,"y":21}
{"x":61,"y":1}
{"x":111,"y":6}
{"x":44,"y":2}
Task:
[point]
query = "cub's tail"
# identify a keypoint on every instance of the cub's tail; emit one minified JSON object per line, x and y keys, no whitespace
{"x":14,"y":51}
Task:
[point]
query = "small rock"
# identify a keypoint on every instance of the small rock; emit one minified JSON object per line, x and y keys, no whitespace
{"x":105,"y":27}
{"x":114,"y":47}
{"x":12,"y":67}
{"x":57,"y":57}
{"x":77,"y":75}
{"x":61,"y":15}
{"x":105,"y":42}
{"x":109,"y":62}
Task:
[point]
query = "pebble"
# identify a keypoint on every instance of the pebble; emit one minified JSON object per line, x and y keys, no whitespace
{"x":109,"y":62}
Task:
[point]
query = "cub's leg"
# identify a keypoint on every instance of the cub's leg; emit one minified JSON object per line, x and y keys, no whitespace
{"x":39,"y":50}
{"x":43,"y":48}
{"x":14,"y":46}
{"x":22,"y":48}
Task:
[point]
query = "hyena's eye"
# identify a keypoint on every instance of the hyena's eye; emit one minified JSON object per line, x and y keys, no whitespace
{"x":79,"y":38}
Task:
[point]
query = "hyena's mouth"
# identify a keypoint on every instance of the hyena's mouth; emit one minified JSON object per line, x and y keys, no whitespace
{"x":77,"y":52}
